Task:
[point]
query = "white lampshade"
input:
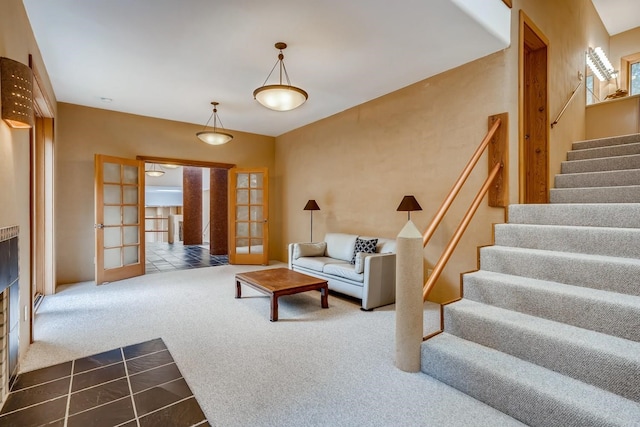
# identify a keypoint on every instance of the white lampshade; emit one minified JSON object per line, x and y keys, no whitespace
{"x":280,"y":97}
{"x":214,"y":137}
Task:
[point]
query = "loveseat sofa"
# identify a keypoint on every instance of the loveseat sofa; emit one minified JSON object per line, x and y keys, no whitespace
{"x":362,"y":267}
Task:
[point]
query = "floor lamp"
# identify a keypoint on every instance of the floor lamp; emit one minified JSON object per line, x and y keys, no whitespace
{"x":311,"y":206}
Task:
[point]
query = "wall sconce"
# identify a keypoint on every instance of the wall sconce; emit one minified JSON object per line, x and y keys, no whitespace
{"x":408,"y":204}
{"x":600,"y":65}
{"x":311,"y":206}
{"x":16,"y":85}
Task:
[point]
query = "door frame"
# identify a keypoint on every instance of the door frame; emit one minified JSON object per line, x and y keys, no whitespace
{"x":194,"y":163}
{"x":526,"y":25}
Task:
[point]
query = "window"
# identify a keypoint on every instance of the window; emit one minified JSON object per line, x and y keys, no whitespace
{"x":590,"y":95}
{"x":634,"y":78}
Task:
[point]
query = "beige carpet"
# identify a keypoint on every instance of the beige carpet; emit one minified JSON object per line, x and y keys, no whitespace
{"x":314,"y":367}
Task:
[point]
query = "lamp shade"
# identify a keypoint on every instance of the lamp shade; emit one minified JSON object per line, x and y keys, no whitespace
{"x":311,"y":206}
{"x":16,"y":85}
{"x":408,"y":204}
{"x":280,"y":97}
{"x":214,"y":137}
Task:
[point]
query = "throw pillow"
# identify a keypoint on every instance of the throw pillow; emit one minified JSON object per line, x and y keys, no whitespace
{"x":359,"y":268}
{"x":367,"y":246}
{"x":309,"y":249}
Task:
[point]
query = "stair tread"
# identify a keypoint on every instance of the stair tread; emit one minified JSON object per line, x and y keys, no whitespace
{"x":607,"y":141}
{"x":609,"y":151}
{"x":616,"y":346}
{"x":552,"y":399}
{"x":579,"y":214}
{"x":611,"y":241}
{"x":566,"y":255}
{"x":596,"y":295}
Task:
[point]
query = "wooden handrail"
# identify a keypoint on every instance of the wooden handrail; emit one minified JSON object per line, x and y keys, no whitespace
{"x":462,"y":227}
{"x":437,"y":219}
{"x":555,"y":122}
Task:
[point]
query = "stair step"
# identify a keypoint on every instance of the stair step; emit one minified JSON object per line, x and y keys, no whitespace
{"x":601,"y":164}
{"x":601,"y":311}
{"x":532,"y":394}
{"x":626,"y":215}
{"x":608,"y":151}
{"x":605,"y":142}
{"x":605,"y":361}
{"x":598,"y":179}
{"x":621,"y":194}
{"x":592,"y":271}
{"x":617,"y":242}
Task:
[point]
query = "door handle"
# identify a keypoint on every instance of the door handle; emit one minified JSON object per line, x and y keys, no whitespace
{"x":98,"y":226}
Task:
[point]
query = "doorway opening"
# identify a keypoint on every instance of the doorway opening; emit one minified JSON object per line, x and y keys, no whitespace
{"x":534,"y":116}
{"x":185,"y":214}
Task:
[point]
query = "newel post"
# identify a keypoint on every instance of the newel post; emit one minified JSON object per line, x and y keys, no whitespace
{"x":409,"y":304}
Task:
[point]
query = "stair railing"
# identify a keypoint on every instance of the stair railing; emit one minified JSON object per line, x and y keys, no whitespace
{"x":496,"y":139}
{"x":566,"y":104}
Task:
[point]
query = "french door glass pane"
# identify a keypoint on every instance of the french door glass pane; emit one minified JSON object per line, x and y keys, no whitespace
{"x":112,"y":237}
{"x":256,"y":229}
{"x":256,"y":246}
{"x":111,"y":172}
{"x":242,"y":229}
{"x":130,"y":174}
{"x":130,"y":235}
{"x":112,"y":194}
{"x":112,"y":215}
{"x":242,"y":213}
{"x":256,"y":180}
{"x":131,"y":255}
{"x":112,"y":258}
{"x":256,"y":197}
{"x":130,"y":195}
{"x":242,"y":180}
{"x":242,"y":197}
{"x":130,"y":215}
{"x":256,"y":213}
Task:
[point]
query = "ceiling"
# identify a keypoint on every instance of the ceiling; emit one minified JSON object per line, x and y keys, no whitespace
{"x":169,"y":59}
{"x":618,"y":15}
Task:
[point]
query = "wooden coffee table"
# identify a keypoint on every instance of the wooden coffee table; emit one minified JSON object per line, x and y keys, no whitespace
{"x":277,"y":282}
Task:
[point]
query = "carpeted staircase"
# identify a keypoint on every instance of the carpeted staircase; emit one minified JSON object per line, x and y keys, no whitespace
{"x":548,"y":330}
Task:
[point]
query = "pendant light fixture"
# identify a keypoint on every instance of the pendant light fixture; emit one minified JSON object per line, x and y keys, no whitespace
{"x":153,"y":171}
{"x":280,"y":97}
{"x":214,"y":137}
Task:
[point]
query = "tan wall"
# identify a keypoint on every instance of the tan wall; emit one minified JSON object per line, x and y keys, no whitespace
{"x":614,"y":117}
{"x":17,"y":42}
{"x":83,"y":132}
{"x":359,"y":163}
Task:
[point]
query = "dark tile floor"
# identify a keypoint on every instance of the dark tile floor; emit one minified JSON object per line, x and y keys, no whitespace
{"x":135,"y":386}
{"x":162,"y":257}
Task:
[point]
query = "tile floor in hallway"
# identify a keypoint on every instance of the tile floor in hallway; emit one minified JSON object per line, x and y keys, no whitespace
{"x":137,"y":385}
{"x":163,"y":257}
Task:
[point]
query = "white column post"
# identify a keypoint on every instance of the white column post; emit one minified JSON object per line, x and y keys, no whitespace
{"x":409,"y":304}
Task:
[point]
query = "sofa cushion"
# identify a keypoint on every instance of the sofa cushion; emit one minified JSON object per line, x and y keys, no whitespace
{"x":340,"y":246}
{"x":315,"y":263}
{"x":359,"y":265}
{"x":309,"y":249}
{"x":367,"y":246}
{"x":343,"y":269}
{"x":384,"y":246}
